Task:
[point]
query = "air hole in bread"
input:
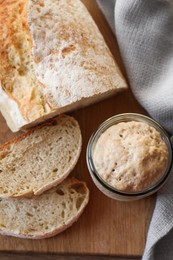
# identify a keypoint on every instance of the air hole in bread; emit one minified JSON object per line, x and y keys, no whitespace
{"x":62,"y":214}
{"x":37,"y":136}
{"x":2,"y":226}
{"x":78,"y":188}
{"x":71,"y":207}
{"x":29,"y":214}
{"x":60,"y":192}
{"x":63,"y":205}
{"x":53,"y":123}
{"x":30,"y":230}
{"x":17,"y":208}
{"x":69,"y":159}
{"x":79,"y":202}
{"x":71,"y":199}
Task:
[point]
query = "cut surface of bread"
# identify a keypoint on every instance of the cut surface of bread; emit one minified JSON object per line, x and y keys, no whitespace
{"x":21,"y":93}
{"x":45,"y":215}
{"x":40,"y":158}
{"x":53,"y":60}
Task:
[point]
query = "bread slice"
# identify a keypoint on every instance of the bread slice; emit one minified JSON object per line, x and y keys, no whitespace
{"x":45,"y":215}
{"x":40,"y":158}
{"x":53,"y":60}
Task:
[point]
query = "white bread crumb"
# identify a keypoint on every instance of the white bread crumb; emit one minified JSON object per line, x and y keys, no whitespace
{"x":40,"y":158}
{"x":45,"y":215}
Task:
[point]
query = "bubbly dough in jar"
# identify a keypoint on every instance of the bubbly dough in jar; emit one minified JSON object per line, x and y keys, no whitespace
{"x":130,"y":156}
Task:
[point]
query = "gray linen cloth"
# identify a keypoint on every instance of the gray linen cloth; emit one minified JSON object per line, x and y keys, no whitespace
{"x":144,"y":30}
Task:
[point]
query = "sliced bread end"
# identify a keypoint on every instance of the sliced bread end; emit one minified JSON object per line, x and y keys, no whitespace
{"x":39,"y":159}
{"x":46,"y":215}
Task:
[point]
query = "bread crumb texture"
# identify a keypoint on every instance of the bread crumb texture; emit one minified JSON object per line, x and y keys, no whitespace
{"x":130,"y":156}
{"x":39,"y":159}
{"x":45,"y":215}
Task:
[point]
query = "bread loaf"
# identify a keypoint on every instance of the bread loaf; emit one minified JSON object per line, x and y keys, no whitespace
{"x":39,"y":159}
{"x":53,"y":60}
{"x":45,"y":215}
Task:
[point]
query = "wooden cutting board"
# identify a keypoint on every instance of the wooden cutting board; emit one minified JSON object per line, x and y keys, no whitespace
{"x":107,"y":227}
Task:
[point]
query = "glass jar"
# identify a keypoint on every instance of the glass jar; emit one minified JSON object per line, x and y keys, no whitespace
{"x":106,"y":187}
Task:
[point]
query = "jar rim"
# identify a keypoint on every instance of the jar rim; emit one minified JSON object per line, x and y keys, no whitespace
{"x":126,"y":117}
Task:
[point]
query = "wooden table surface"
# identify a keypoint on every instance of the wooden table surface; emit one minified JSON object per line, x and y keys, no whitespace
{"x":107,"y":227}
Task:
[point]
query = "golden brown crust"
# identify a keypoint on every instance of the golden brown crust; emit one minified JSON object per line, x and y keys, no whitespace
{"x":17,"y":70}
{"x":25,"y":134}
{"x":39,"y":48}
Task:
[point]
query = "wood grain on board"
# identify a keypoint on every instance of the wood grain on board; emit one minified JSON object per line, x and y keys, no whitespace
{"x":107,"y":227}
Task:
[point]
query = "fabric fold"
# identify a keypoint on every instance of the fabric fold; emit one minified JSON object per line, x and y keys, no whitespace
{"x":145,"y":37}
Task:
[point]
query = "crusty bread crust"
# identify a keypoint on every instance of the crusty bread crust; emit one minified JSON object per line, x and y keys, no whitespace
{"x":53,"y":60}
{"x":39,"y":159}
{"x":21,"y":225}
{"x":21,"y":92}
